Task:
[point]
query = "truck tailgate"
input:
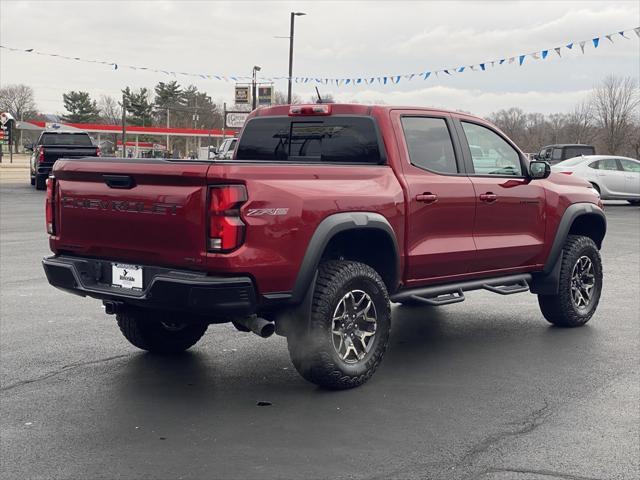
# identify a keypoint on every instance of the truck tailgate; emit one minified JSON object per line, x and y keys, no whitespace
{"x":142,"y":211}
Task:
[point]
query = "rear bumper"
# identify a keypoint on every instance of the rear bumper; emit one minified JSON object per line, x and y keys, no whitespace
{"x":163,"y":288}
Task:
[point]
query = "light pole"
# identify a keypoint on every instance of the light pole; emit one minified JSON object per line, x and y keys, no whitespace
{"x":293,"y":16}
{"x":253,"y":87}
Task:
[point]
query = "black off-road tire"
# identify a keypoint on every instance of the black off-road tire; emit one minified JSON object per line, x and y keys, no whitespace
{"x":151,"y":330}
{"x":41,"y":182}
{"x":312,"y":349}
{"x":561,"y":309}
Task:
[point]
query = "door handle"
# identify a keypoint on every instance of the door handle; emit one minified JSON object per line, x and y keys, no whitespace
{"x":488,"y":197}
{"x":427,"y":197}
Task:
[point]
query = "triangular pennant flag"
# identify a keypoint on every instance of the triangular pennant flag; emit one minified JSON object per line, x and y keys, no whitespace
{"x":461,"y":69}
{"x":544,"y":54}
{"x":582,"y":44}
{"x":535,"y":55}
{"x":447,"y":72}
{"x":595,"y":41}
{"x":385,"y":80}
{"x":557,"y":49}
{"x":472,"y":67}
{"x":115,"y":66}
{"x":371,"y":80}
{"x":521,"y":59}
{"x":482,"y":66}
{"x":426,"y":75}
{"x":512,"y":59}
{"x":569,"y":45}
{"x":347,"y":81}
{"x":502,"y":61}
{"x":411,"y":76}
{"x":396,"y":79}
{"x":637,"y":30}
{"x":623,"y":35}
{"x":493,"y":63}
{"x":358,"y":80}
{"x":609,"y":38}
{"x":438,"y":76}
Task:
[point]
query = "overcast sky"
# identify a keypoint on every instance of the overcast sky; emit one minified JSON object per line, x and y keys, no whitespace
{"x":335,"y":39}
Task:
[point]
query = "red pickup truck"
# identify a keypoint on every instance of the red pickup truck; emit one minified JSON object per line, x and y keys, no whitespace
{"x":326,"y":214}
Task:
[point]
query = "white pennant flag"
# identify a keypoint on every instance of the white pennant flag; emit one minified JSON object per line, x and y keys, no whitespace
{"x":637,"y":30}
{"x":609,"y":38}
{"x":557,"y":49}
{"x":535,"y":55}
{"x":512,"y":59}
{"x":582,"y":43}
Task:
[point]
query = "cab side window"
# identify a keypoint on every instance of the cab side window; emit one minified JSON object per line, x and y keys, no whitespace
{"x":493,"y":155}
{"x":630,"y":165}
{"x":429,"y":144}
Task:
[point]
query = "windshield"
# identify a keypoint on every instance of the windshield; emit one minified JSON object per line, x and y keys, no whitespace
{"x":310,"y":139}
{"x":80,"y":139}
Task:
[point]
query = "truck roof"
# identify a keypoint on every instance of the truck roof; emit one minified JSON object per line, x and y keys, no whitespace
{"x":359,"y":109}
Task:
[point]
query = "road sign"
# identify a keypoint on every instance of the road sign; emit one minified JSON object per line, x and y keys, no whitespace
{"x":242,"y":95}
{"x":235,"y":119}
{"x":5,"y":117}
{"x":265,"y":95}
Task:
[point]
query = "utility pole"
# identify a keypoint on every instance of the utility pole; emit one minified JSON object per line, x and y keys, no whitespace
{"x":253,"y":87}
{"x":293,"y":16}
{"x":168,"y":150}
{"x":124,"y":127}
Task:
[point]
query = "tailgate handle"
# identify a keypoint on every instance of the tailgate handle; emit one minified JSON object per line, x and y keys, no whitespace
{"x":119,"y":181}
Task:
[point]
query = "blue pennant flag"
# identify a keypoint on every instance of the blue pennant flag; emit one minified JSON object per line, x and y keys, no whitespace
{"x":347,"y":81}
{"x":426,"y":75}
{"x":359,"y":80}
{"x":447,"y":72}
{"x":385,"y":80}
{"x":482,"y":66}
{"x":595,"y":42}
{"x":521,"y":59}
{"x":396,"y":79}
{"x":544,"y":54}
{"x":570,"y":45}
{"x":502,"y":60}
{"x":461,"y":69}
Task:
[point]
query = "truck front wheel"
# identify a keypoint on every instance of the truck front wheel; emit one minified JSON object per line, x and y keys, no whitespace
{"x":157,"y":331}
{"x":41,"y":182}
{"x":580,"y":284}
{"x":347,"y":334}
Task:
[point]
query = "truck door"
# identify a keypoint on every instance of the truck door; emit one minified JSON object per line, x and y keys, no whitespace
{"x":441,"y":199}
{"x":509,"y":228}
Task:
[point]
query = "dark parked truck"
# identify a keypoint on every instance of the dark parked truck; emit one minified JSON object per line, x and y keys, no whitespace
{"x":325,"y":215}
{"x":54,"y":144}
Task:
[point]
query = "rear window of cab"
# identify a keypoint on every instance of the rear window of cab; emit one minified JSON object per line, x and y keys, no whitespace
{"x":332,"y":139}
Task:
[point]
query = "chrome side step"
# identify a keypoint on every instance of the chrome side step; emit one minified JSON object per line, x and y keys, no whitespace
{"x":454,"y":292}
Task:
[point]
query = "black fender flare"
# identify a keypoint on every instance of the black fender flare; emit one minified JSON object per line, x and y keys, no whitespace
{"x":546,"y":282}
{"x":326,"y":230}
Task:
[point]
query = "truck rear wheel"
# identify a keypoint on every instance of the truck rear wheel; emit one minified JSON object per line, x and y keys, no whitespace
{"x":580,"y":285}
{"x":347,"y":334}
{"x":41,"y":182}
{"x":157,"y":331}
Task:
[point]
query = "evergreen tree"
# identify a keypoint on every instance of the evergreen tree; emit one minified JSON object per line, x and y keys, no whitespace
{"x":80,"y":108}
{"x":139,"y":109}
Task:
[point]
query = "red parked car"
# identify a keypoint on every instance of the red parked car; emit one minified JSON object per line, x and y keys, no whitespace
{"x":325,"y":215}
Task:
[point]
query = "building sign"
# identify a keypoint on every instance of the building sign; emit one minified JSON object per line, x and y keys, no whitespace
{"x":235,"y":119}
{"x":265,"y":95}
{"x":242,"y":95}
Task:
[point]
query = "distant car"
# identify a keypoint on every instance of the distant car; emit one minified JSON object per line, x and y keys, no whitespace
{"x":225,"y":152}
{"x":615,"y":178}
{"x":560,"y":152}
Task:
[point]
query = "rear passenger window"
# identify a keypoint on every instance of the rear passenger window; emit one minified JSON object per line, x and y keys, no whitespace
{"x":429,"y":144}
{"x":607,"y":164}
{"x":490,"y":153}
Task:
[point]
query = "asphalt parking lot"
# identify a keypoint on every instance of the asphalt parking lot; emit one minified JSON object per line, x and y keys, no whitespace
{"x":485,"y":389}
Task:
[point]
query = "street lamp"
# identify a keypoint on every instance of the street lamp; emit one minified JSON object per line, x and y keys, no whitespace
{"x":293,"y":16}
{"x":253,"y":86}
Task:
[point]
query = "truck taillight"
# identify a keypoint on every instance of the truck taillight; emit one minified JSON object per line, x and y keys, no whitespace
{"x":50,"y":206}
{"x":320,"y":109}
{"x":41,"y":155}
{"x":226,"y":228}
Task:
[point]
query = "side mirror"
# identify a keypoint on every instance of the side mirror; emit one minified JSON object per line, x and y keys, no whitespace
{"x":539,"y":170}
{"x":28,"y":146}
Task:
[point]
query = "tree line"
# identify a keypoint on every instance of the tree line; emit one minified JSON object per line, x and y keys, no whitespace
{"x":608,"y":118}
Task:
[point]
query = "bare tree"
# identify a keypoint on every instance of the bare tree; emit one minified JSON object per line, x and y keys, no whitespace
{"x":110,"y":111}
{"x":615,"y":102}
{"x":580,"y":128}
{"x":17,"y":99}
{"x":512,"y":122}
